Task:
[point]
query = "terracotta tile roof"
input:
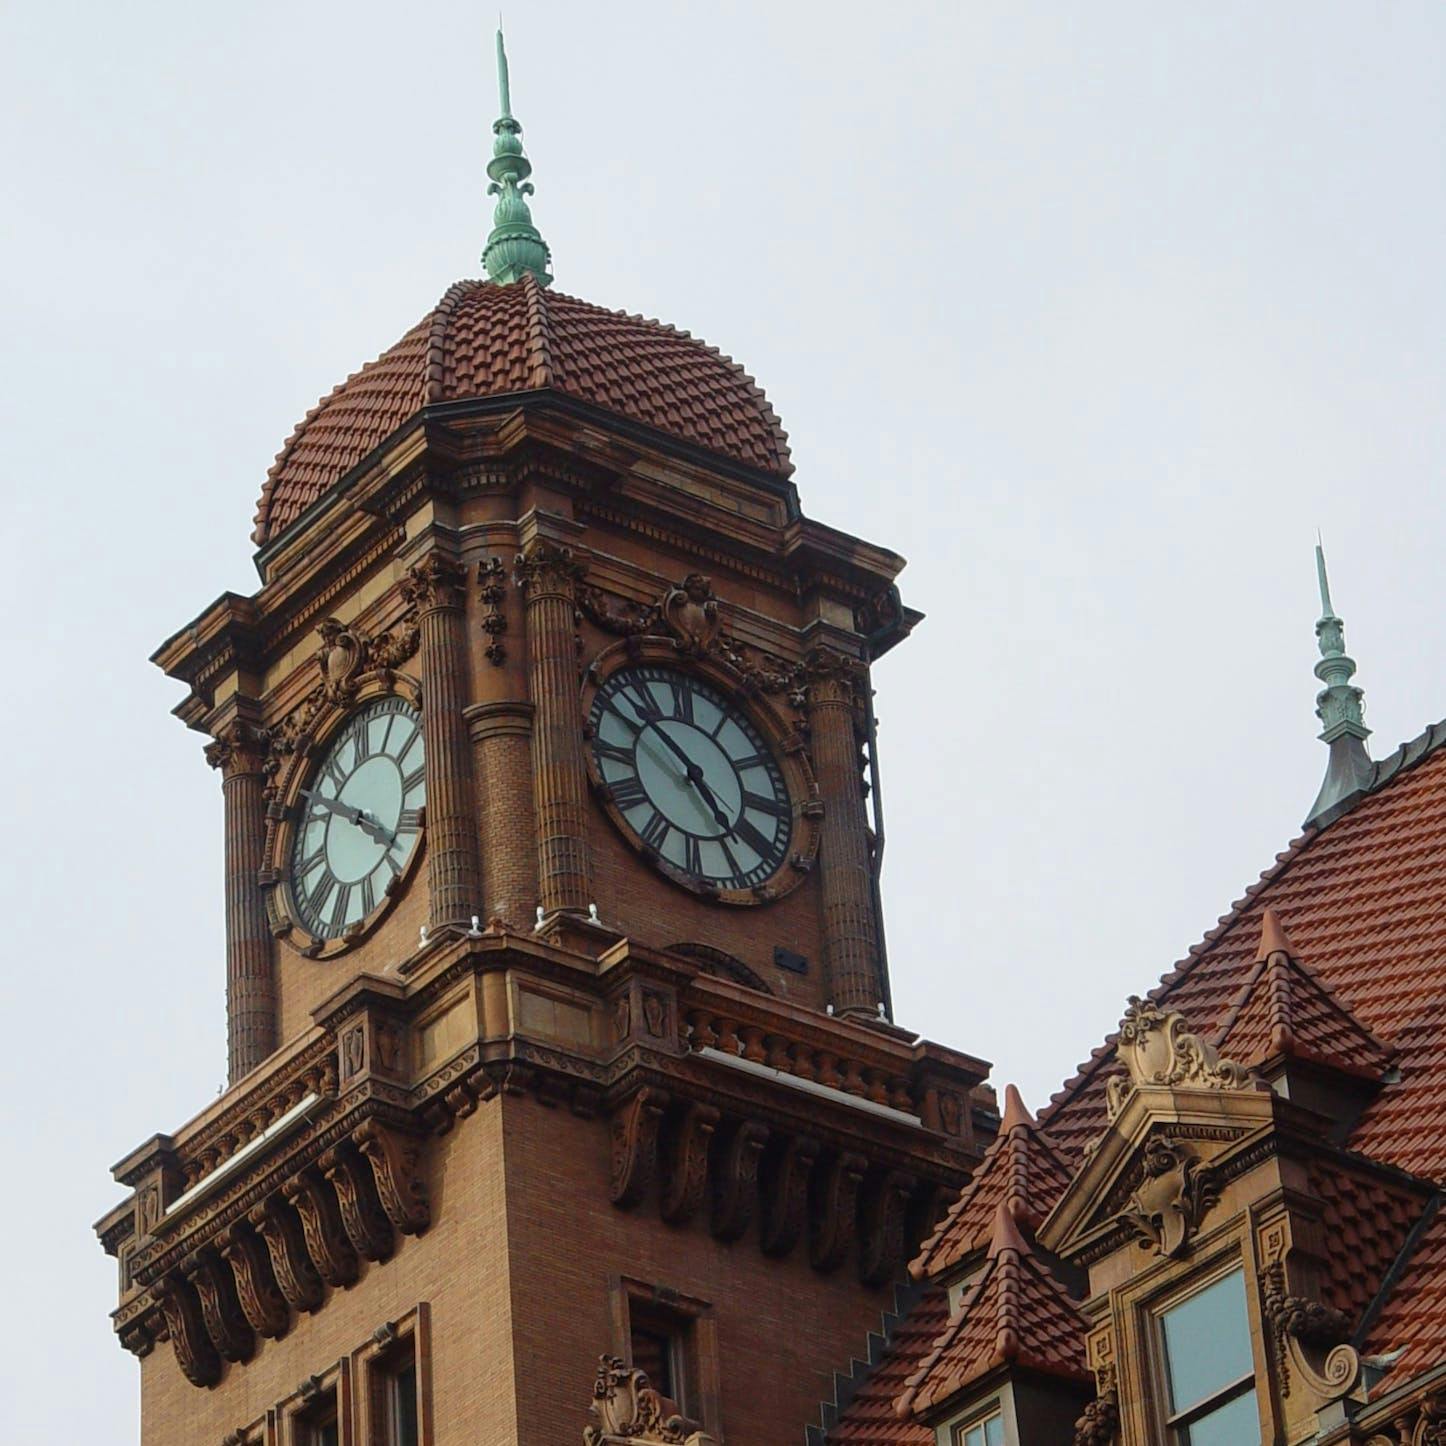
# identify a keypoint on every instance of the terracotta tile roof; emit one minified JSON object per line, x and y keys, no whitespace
{"x":484,"y":340}
{"x":870,"y":1418}
{"x":1015,"y":1314}
{"x":1284,"y":1008}
{"x":1019,"y":1170}
{"x":1365,"y":898}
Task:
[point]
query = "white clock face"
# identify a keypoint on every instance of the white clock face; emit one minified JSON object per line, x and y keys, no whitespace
{"x":360,"y":818}
{"x":691,"y":777}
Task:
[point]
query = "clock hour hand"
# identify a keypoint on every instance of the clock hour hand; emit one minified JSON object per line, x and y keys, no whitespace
{"x":365,"y":822}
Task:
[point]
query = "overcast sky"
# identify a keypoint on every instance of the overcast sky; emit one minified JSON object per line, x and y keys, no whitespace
{"x":1094,"y":312}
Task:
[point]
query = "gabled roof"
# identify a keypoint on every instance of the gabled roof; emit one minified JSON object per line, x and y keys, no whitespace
{"x":1284,"y":1009}
{"x":484,"y":340}
{"x":1015,"y":1314}
{"x":1366,"y":899}
{"x":870,"y":1418}
{"x":1019,"y":1171}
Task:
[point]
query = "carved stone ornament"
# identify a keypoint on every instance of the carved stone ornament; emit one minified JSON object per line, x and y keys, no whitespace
{"x":434,"y":582}
{"x":1173,"y":1197}
{"x":240,"y":747}
{"x":626,"y":1409}
{"x":1157,"y":1049}
{"x":548,"y":567}
{"x":347,"y":654}
{"x":191,"y":1341}
{"x":492,"y":586}
{"x":635,"y":1146}
{"x":1100,"y":1424}
{"x":691,"y":614}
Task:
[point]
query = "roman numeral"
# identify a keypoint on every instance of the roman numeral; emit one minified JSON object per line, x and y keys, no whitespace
{"x":752,"y":760}
{"x":409,"y":821}
{"x":693,"y":856}
{"x":362,"y":733}
{"x":309,"y":863}
{"x":733,"y":866}
{"x":322,"y":892}
{"x":628,"y":793}
{"x":369,"y":898}
{"x":755,"y":840}
{"x":413,"y":779}
{"x":387,"y":732}
{"x":682,"y":702}
{"x":612,"y":751}
{"x":338,"y":913}
{"x":655,"y":832}
{"x":773,"y":807}
{"x":631,"y":724}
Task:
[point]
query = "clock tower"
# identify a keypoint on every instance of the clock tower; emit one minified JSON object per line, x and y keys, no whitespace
{"x":565,"y":1096}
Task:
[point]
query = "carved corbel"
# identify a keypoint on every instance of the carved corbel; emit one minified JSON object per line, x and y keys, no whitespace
{"x":835,"y":1212}
{"x":785,"y":1200}
{"x":362,"y":1217}
{"x":262,"y":1302}
{"x":195,"y":1352}
{"x":688,"y":1169}
{"x":394,"y":1160}
{"x":1100,"y":1424}
{"x":220,"y":1309}
{"x":296,"y":1277}
{"x":735,"y":1184}
{"x":1178,"y":1188}
{"x":635,"y":1146}
{"x":326,"y":1239}
{"x":882,"y":1248}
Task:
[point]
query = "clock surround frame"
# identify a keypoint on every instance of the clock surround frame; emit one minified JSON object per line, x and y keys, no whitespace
{"x":332,"y":717}
{"x":779,"y":734}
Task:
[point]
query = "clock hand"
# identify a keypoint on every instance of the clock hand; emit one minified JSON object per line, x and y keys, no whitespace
{"x":693,"y":772}
{"x":364,"y":821}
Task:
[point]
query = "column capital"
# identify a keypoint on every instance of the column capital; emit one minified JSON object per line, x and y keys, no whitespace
{"x":545,"y":567}
{"x":434,"y":583}
{"x":239,"y":749}
{"x":832,"y":677}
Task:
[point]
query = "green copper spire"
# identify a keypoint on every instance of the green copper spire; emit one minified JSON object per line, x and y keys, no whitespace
{"x":515,"y":245}
{"x":1349,"y":771}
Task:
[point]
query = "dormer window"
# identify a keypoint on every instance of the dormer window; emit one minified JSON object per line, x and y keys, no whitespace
{"x":1209,"y":1366}
{"x":987,"y":1430}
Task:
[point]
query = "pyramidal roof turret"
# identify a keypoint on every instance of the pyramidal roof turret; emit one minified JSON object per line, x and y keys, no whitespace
{"x":1349,"y":772}
{"x":515,"y":248}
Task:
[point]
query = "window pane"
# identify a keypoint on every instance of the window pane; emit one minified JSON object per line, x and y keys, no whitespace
{"x":975,"y":1437}
{"x":994,"y":1431}
{"x":1207,"y":1342}
{"x":404,"y":1407}
{"x":1237,"y":1423}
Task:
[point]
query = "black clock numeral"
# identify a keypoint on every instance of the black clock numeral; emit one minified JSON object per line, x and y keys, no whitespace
{"x":319,"y":895}
{"x":751,"y":760}
{"x":734,"y":869}
{"x":611,"y":751}
{"x":655,"y":832}
{"x":772,"y":806}
{"x":338,"y":912}
{"x":755,"y":840}
{"x":682,"y":702}
{"x":387,"y":732}
{"x":362,"y":734}
{"x":692,"y":856}
{"x":409,"y":820}
{"x":628,"y":793}
{"x":413,"y":779}
{"x":613,"y":711}
{"x":369,"y":898}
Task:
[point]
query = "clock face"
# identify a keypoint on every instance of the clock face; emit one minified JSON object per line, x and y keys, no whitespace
{"x":691,"y":777}
{"x":360,"y":814}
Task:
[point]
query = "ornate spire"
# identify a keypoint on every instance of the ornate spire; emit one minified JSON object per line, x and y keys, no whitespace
{"x":1349,"y":771}
{"x":515,"y":246}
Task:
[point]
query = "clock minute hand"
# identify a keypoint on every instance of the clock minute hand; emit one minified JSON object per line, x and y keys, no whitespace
{"x":363,"y":821}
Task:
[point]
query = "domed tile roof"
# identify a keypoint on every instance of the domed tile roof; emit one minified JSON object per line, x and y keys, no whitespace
{"x":485,"y":340}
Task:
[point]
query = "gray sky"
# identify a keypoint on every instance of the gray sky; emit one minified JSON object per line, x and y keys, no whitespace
{"x":1093,"y":312}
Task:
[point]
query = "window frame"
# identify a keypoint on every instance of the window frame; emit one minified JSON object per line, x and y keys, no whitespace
{"x":1173,"y":1424}
{"x":328,"y":1392}
{"x":981,"y":1416}
{"x":696,"y":1341}
{"x":406,"y":1340}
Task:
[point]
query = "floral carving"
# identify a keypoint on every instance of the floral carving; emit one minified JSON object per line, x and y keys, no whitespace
{"x":367,"y":1227}
{"x":625,"y":1408}
{"x":1301,"y":1330}
{"x":492,"y":580}
{"x":1100,"y":1424}
{"x":1173,"y":1197}
{"x":240,"y":747}
{"x":618,"y":615}
{"x":635,"y":1146}
{"x":434,"y":582}
{"x":394,"y":1158}
{"x":195,"y":1352}
{"x":1157,"y":1049}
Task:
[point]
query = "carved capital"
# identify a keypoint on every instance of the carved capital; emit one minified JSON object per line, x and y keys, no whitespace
{"x":433,"y":583}
{"x":832,"y":679}
{"x":635,"y":1146}
{"x":1172,"y":1199}
{"x":735,"y":1184}
{"x":326,"y":1239}
{"x":362,"y":1217}
{"x":296,"y":1277}
{"x":688,"y":1168}
{"x":195,"y":1353}
{"x":1157,"y":1048}
{"x":548,"y":567}
{"x":835,"y":1211}
{"x":394,"y":1159}
{"x":262,"y":1302}
{"x":239,"y":749}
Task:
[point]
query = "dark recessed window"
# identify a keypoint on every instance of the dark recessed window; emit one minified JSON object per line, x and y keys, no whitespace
{"x":659,"y":1342}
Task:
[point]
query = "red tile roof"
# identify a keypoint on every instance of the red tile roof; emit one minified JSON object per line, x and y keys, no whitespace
{"x":1284,"y":1008}
{"x":485,"y":340}
{"x":1015,"y":1314}
{"x":870,"y":1419}
{"x":1365,"y":898}
{"x":1019,"y":1170}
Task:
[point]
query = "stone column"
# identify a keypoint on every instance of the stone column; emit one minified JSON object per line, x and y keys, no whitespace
{"x":435,"y":587}
{"x":548,"y":574}
{"x":239,"y":752}
{"x":850,"y":936}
